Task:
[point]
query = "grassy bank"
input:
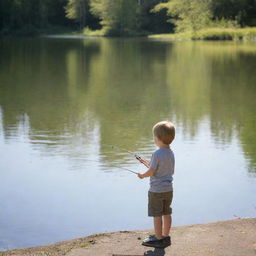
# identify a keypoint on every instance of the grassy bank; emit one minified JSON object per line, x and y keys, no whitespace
{"x":66,"y":31}
{"x":108,"y":32}
{"x":98,"y":32}
{"x":31,"y":30}
{"x":246,"y":34}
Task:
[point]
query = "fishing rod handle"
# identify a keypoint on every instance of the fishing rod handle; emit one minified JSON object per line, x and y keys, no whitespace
{"x":141,"y":160}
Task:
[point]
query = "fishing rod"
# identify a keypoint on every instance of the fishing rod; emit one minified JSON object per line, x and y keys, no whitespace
{"x":126,"y":169}
{"x":119,"y":167}
{"x":130,"y":152}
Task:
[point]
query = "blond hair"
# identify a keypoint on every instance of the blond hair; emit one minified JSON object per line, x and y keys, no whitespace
{"x":164,"y":131}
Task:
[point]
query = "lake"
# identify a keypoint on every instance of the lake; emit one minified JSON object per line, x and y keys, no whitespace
{"x":64,"y":103}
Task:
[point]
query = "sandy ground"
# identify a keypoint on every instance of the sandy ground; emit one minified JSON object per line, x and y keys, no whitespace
{"x":229,"y":238}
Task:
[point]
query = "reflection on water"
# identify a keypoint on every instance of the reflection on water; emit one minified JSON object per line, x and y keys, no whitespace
{"x":64,"y":102}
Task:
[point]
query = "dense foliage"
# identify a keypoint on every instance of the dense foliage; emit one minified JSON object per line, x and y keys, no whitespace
{"x":192,"y":15}
{"x":26,"y":16}
{"x":123,"y":17}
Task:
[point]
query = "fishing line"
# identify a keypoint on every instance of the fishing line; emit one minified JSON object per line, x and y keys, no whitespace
{"x":130,"y":152}
{"x":119,"y":167}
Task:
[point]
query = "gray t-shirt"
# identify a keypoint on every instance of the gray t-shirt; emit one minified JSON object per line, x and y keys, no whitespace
{"x":162,"y":161}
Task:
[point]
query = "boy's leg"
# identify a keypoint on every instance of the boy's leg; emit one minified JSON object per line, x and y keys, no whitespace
{"x":167,"y":225}
{"x":167,"y":218}
{"x":158,"y":227}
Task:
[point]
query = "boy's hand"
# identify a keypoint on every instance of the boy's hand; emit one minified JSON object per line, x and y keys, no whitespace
{"x":140,"y":176}
{"x":145,"y":162}
{"x":148,"y":173}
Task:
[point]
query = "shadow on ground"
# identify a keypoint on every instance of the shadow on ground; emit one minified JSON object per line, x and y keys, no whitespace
{"x":156,"y":252}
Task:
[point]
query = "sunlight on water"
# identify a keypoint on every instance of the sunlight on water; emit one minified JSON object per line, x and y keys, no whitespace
{"x":70,"y":109}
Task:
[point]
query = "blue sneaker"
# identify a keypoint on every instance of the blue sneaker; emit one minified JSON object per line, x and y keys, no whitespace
{"x":152,"y":241}
{"x":167,"y":241}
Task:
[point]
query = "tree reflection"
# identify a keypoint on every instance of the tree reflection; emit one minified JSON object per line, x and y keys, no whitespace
{"x":121,"y":87}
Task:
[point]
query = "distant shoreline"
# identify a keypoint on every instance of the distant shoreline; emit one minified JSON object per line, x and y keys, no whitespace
{"x":217,"y":34}
{"x":233,"y":237}
{"x":235,"y":34}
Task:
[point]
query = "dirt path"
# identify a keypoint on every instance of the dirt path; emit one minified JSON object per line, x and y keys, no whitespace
{"x":229,"y":238}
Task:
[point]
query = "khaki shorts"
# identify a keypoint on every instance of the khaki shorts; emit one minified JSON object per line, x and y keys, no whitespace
{"x":159,"y":203}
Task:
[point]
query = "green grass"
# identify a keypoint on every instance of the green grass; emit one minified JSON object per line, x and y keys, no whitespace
{"x":99,"y":32}
{"x":246,"y":34}
{"x":108,"y":32}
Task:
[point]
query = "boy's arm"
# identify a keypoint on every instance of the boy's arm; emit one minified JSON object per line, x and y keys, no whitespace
{"x":152,"y":167}
{"x":148,"y":173}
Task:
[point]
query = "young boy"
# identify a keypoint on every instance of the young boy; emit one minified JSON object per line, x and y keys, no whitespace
{"x":161,"y":169}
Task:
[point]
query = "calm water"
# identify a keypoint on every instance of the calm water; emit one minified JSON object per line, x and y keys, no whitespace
{"x":63,"y":101}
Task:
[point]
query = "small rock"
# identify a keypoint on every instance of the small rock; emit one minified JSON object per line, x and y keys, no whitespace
{"x":139,"y":238}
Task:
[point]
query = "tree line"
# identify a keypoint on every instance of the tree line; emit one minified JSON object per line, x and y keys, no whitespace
{"x":123,"y":17}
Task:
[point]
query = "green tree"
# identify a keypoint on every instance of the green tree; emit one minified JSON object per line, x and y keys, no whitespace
{"x":124,"y":17}
{"x":77,"y":10}
{"x":153,"y":22}
{"x":118,"y":17}
{"x":243,"y":11}
{"x":187,"y":14}
{"x":29,"y":16}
